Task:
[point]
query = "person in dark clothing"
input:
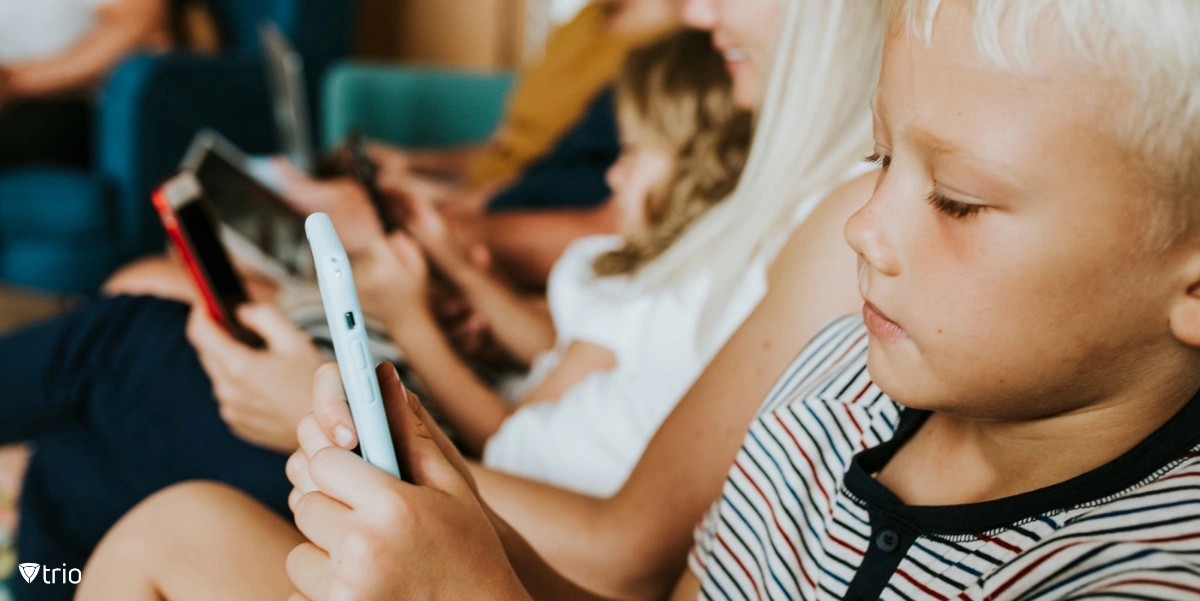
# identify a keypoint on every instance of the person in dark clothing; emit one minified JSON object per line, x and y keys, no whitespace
{"x":103,"y":444}
{"x":53,"y":57}
{"x":572,"y":175}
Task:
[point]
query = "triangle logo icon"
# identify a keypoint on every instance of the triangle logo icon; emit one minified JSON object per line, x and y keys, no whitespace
{"x":29,"y":571}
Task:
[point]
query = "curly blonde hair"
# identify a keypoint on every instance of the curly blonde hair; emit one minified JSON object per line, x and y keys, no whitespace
{"x":679,"y":91}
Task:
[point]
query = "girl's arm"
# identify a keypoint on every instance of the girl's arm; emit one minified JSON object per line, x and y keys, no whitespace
{"x":123,"y":27}
{"x":474,"y":408}
{"x":579,"y":361}
{"x":634,"y":544}
{"x":520,"y":323}
{"x":469,"y":404}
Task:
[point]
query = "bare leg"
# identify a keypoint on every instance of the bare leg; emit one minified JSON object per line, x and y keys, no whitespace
{"x":196,"y":540}
{"x":159,"y":276}
{"x":165,"y":277}
{"x":13,"y":460}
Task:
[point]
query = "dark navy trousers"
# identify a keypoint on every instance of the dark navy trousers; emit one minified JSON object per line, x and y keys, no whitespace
{"x":118,"y":407}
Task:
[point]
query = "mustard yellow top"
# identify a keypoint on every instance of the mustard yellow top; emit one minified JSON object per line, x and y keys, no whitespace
{"x":582,"y":58}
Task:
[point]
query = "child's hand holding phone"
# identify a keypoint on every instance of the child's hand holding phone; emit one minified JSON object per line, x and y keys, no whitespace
{"x":436,"y":522}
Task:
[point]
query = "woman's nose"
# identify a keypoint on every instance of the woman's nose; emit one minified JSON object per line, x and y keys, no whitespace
{"x":698,"y":14}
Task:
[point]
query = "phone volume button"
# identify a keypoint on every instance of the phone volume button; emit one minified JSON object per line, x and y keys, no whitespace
{"x":369,"y":388}
{"x":360,"y":355}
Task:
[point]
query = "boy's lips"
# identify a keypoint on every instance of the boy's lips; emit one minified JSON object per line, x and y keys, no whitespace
{"x":880,"y":325}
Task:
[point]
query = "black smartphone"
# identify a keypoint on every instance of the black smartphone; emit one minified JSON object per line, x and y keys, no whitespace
{"x":365,"y":171}
{"x":192,"y":226}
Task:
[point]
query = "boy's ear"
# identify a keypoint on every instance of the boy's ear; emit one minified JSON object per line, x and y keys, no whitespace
{"x":1185,"y":315}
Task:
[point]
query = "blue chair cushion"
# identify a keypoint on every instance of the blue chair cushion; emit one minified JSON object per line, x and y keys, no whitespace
{"x":59,"y":206}
{"x":56,"y":267}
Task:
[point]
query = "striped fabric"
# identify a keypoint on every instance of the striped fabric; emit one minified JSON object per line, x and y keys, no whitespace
{"x":801,"y":518}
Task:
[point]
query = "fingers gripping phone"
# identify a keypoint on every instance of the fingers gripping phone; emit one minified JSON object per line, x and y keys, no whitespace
{"x":192,"y":227}
{"x":346,"y":327}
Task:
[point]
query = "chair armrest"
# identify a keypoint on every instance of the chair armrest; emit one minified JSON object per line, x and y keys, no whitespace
{"x":151,"y":108}
{"x":414,"y":107}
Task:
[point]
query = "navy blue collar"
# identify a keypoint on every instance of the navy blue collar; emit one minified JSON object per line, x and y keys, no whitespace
{"x":1169,"y":443}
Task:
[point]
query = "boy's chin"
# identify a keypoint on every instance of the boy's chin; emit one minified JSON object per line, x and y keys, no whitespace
{"x":907,"y":381}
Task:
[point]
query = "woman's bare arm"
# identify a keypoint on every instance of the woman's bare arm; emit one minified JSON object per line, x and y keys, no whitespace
{"x":634,"y":545}
{"x":122,"y":27}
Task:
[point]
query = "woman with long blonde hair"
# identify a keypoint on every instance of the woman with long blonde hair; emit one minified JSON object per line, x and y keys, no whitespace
{"x":814,"y":126}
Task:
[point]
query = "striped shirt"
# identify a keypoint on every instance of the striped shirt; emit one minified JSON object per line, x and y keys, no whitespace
{"x":801,"y":517}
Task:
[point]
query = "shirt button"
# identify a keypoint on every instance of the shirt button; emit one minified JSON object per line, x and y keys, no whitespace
{"x":887,"y":541}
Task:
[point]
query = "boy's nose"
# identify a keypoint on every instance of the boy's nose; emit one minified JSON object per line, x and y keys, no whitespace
{"x":868,"y":239}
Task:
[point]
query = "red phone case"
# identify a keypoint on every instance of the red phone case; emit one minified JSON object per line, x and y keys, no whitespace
{"x":171,"y":223}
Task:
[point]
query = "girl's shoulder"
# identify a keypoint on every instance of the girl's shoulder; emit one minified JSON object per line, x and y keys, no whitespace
{"x":574,"y":268}
{"x":575,"y":292}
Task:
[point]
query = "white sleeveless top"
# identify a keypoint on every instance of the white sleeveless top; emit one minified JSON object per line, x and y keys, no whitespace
{"x":590,"y":439}
{"x":40,"y":29}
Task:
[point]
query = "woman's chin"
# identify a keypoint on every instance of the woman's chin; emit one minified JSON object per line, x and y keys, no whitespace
{"x":747,"y":86}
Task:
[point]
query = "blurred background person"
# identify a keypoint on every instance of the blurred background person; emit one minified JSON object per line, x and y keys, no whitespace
{"x":552,"y":95}
{"x":53,"y":56}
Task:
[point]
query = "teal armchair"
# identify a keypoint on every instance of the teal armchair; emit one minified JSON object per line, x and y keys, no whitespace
{"x":413,"y":107}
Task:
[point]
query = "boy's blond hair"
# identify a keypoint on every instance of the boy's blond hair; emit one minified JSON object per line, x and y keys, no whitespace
{"x":679,"y":93}
{"x":1149,"y":50}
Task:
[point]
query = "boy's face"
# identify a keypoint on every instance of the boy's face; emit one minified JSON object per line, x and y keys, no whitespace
{"x":1005,"y":256}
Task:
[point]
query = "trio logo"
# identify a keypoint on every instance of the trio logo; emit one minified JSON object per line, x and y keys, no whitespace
{"x":29,"y":571}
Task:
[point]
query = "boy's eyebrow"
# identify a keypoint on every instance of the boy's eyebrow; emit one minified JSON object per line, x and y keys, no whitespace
{"x":937,"y":146}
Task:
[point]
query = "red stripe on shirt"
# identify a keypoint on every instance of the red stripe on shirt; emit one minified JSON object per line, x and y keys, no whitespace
{"x":779,"y":527}
{"x":757,"y":593}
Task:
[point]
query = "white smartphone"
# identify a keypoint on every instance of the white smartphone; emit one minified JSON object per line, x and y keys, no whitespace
{"x":349,"y":333}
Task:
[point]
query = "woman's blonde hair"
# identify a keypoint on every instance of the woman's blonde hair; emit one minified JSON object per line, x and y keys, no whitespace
{"x":814,"y":126}
{"x":679,"y":92}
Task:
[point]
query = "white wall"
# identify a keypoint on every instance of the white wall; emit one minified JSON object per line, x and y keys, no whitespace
{"x":540,"y":17}
{"x":562,"y":10}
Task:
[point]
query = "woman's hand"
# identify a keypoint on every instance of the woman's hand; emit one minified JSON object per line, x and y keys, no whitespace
{"x":373,"y":537}
{"x":429,"y":228}
{"x":343,"y":199}
{"x":390,"y":162}
{"x":262,"y":394}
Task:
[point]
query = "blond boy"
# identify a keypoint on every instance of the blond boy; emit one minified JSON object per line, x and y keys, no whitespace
{"x":1012,"y":417}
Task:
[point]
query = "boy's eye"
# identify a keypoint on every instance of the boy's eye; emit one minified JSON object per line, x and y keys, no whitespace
{"x":883,"y":160}
{"x":953,"y":208}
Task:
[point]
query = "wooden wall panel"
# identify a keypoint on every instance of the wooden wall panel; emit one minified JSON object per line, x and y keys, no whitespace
{"x":463,"y":33}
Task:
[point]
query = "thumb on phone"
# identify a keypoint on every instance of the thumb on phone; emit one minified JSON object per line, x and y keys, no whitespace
{"x":427,"y":457}
{"x":331,"y":410}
